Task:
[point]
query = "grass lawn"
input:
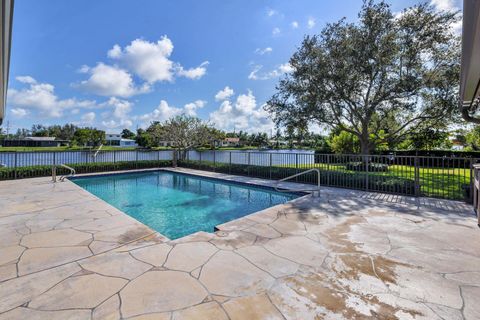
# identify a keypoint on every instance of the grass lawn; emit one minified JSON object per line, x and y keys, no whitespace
{"x":435,"y":182}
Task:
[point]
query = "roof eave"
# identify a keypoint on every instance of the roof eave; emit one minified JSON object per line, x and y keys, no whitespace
{"x":5,"y":42}
{"x":470,"y":69}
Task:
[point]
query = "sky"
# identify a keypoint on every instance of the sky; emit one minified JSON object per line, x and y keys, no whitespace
{"x":116,"y":64}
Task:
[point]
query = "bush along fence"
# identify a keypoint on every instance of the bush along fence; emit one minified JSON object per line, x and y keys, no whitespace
{"x":18,"y":165}
{"x":441,"y":177}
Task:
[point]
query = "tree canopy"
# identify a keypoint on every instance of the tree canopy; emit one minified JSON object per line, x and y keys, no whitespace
{"x":378,"y":79}
{"x":88,"y":137}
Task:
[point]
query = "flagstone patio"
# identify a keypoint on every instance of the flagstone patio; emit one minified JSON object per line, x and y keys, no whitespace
{"x":65,"y":254}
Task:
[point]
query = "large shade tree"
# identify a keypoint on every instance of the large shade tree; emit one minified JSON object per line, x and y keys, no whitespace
{"x":379,"y":79}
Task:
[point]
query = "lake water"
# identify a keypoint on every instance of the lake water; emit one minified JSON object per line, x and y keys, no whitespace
{"x":252,"y":157}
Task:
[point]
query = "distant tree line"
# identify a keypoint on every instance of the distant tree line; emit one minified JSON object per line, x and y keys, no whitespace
{"x":75,"y":135}
{"x":185,"y":132}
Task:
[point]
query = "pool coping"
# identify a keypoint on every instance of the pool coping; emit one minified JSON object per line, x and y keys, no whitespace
{"x":256,"y":182}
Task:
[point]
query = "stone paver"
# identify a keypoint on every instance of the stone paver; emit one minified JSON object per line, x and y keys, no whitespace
{"x":115,"y":264}
{"x":274,"y":265}
{"x":26,"y":313}
{"x":109,"y":309}
{"x":38,"y":259}
{"x":252,"y":307}
{"x":54,"y":238}
{"x":80,"y":292}
{"x":154,"y":255}
{"x":298,"y":249}
{"x":65,"y":254}
{"x":160,"y":291}
{"x":189,"y":256}
{"x":229,"y":274}
{"x":9,"y":254}
{"x":205,"y":311}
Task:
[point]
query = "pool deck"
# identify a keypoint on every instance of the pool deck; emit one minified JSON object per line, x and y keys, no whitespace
{"x":65,"y":254}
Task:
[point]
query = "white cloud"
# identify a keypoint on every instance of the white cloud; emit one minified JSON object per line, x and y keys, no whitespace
{"x":19,"y":112}
{"x":243,"y":114}
{"x":263,"y":51}
{"x":276,"y":31}
{"x":42,"y":98}
{"x":294,"y":24}
{"x":193,"y":73}
{"x":271,"y":12}
{"x":26,"y":79}
{"x":311,"y":23}
{"x":83,"y":69}
{"x":278,"y":71}
{"x":161,"y":113}
{"x":106,"y":80}
{"x":191,"y":108}
{"x":88,"y":118}
{"x":164,"y":111}
{"x":448,"y":5}
{"x":285,"y":68}
{"x":439,"y":5}
{"x":149,"y":60}
{"x":120,"y":115}
{"x":444,"y":5}
{"x":224,"y":94}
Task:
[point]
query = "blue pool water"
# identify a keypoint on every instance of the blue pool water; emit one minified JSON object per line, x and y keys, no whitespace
{"x":177,"y":205}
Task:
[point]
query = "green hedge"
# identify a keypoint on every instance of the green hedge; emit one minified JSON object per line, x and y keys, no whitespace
{"x":351,"y":180}
{"x":7,"y":173}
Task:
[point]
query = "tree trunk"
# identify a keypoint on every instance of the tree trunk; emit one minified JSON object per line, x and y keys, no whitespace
{"x":364,"y":145}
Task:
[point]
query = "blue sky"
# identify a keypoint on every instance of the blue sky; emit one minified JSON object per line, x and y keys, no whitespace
{"x":118,"y":64}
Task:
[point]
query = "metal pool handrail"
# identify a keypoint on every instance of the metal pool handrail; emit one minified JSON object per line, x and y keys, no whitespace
{"x":278,"y":189}
{"x":62,"y":178}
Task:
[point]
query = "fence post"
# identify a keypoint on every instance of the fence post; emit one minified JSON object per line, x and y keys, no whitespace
{"x":248,"y":164}
{"x":136,"y":159}
{"x":230,"y":163}
{"x":472,"y":188}
{"x":296,"y":166}
{"x":417,"y":177}
{"x":200,"y":159}
{"x":114,"y":156}
{"x":270,"y":166}
{"x":328,"y":169}
{"x":15,"y":172}
{"x":366,"y":172}
{"x":214,"y":160}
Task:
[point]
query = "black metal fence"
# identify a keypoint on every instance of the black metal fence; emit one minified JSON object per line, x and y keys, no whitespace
{"x":15,"y":165}
{"x":441,"y":177}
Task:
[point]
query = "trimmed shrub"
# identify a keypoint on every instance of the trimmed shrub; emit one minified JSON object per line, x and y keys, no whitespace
{"x":7,"y":173}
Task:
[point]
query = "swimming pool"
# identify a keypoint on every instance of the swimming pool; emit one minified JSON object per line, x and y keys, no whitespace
{"x":176,"y":204}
